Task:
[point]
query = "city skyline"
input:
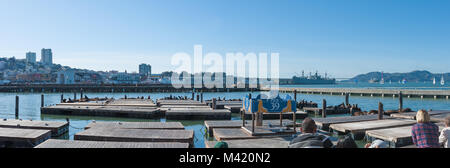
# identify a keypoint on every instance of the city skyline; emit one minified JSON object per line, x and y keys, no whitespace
{"x":342,"y":39}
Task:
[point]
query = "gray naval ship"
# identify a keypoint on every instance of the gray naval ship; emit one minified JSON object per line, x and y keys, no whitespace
{"x":315,"y":79}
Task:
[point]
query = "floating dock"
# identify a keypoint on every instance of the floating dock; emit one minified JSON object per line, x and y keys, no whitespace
{"x":124,"y":108}
{"x":22,"y":138}
{"x":324,"y":123}
{"x":180,"y":103}
{"x":412,"y":115}
{"x":57,"y":128}
{"x":105,"y":111}
{"x":55,"y":143}
{"x":254,"y":143}
{"x":211,"y":125}
{"x":136,"y":135}
{"x":137,"y":125}
{"x":396,"y":137}
{"x":198,"y":114}
{"x":358,"y":129}
{"x":318,"y":111}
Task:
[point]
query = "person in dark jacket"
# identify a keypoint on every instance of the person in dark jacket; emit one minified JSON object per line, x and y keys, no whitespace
{"x":309,"y":137}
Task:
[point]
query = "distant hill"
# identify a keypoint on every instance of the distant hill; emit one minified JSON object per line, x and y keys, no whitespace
{"x":415,"y":76}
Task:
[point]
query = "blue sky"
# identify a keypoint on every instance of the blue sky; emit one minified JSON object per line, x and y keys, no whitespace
{"x":342,"y":38}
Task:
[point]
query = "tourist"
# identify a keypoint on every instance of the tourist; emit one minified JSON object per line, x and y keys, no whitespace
{"x":376,"y":144}
{"x":444,"y":138}
{"x":425,"y":134}
{"x":346,"y":142}
{"x":309,"y":137}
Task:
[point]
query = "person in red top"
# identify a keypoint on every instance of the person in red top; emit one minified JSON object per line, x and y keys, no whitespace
{"x":425,"y":134}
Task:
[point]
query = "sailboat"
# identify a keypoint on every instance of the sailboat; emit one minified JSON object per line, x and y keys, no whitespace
{"x":382,"y":79}
{"x":442,"y":80}
{"x":434,"y":81}
{"x":404,"y":81}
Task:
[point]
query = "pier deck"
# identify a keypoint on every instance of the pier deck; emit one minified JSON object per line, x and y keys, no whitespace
{"x":198,"y":114}
{"x":324,"y":123}
{"x":412,"y":115}
{"x":55,"y":143}
{"x":22,"y":138}
{"x":137,"y":125}
{"x":397,"y":137}
{"x":136,"y":135}
{"x":253,"y":143}
{"x":358,"y":129}
{"x":408,"y":93}
{"x":57,"y":128}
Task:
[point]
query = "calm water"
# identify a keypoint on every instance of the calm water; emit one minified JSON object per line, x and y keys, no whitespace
{"x":30,"y":107}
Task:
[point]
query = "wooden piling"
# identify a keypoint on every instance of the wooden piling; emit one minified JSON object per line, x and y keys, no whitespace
{"x":324,"y":108}
{"x":201,"y":97}
{"x":17,"y":107}
{"x":81,"y":93}
{"x":380,"y":111}
{"x":62,"y":97}
{"x":198,"y":97}
{"x":400,"y":102}
{"x":42,"y":100}
{"x":74,"y":95}
{"x":214,"y":103}
{"x":295,"y":95}
{"x":347,"y":102}
{"x":193,"y":94}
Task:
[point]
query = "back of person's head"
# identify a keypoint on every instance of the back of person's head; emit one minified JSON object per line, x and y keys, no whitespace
{"x":346,"y":142}
{"x":422,"y":116}
{"x":378,"y":144}
{"x":447,"y":121}
{"x":309,"y":125}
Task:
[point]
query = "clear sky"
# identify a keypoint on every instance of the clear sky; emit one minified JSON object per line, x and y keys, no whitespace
{"x":340,"y":37}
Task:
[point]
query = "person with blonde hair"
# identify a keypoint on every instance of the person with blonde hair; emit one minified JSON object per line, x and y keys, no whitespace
{"x":425,"y":134}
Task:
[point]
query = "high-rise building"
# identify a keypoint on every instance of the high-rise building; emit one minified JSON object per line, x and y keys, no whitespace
{"x":47,"y":56}
{"x":31,"y":57}
{"x":145,"y":69}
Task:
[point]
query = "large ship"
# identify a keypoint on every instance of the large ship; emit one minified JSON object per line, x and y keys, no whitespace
{"x":308,"y":80}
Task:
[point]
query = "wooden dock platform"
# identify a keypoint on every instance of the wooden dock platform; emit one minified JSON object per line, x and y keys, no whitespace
{"x":318,"y":111}
{"x":137,"y":125}
{"x":56,"y":143}
{"x":211,"y":125}
{"x":396,"y":137}
{"x":439,"y":117}
{"x":180,"y":103}
{"x":221,"y":134}
{"x":324,"y":123}
{"x":358,"y":129}
{"x":57,"y":128}
{"x":254,"y":143}
{"x":105,"y":111}
{"x":136,"y":135}
{"x":412,"y":115}
{"x":198,"y":114}
{"x":234,"y":108}
{"x":289,"y":115}
{"x":22,"y":138}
